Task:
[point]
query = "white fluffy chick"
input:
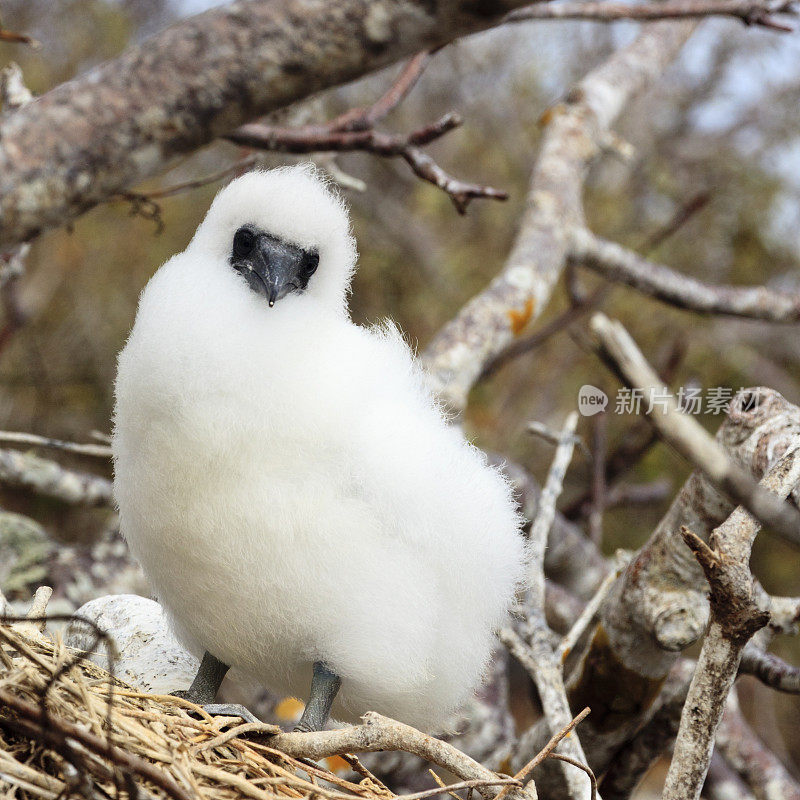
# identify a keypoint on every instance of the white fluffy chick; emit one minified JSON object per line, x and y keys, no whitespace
{"x":296,"y":497}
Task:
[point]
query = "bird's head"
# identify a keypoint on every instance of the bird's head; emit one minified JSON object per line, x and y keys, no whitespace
{"x":282,"y":232}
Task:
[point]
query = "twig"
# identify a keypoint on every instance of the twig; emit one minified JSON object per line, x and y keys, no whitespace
{"x":145,"y":204}
{"x":636,"y":441}
{"x":355,"y":130}
{"x":590,"y":611}
{"x":381,"y":733}
{"x":547,"y":506}
{"x":547,"y":750}
{"x":751,"y":12}
{"x":34,"y":440}
{"x":737,"y":612}
{"x":555,"y":437}
{"x":599,"y":487}
{"x":688,"y":437}
{"x":538,"y":658}
{"x":454,"y":787}
{"x":770,"y":670}
{"x":54,"y":729}
{"x":616,"y":263}
{"x":361,"y":119}
{"x":326,"y":138}
{"x":683,"y":214}
{"x":582,"y":767}
{"x":18,"y":38}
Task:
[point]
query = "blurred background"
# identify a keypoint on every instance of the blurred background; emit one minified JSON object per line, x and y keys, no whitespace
{"x":712,"y":189}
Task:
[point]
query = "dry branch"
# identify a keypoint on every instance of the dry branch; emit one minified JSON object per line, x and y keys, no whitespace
{"x":770,"y":670}
{"x":329,"y":138}
{"x":196,"y":81}
{"x":34,"y":440}
{"x":751,"y":12}
{"x":751,"y":759}
{"x":27,"y":471}
{"x":737,"y":612}
{"x":689,"y":438}
{"x":573,"y":135}
{"x":659,"y":606}
{"x":617,"y":263}
{"x":380,"y":733}
{"x":537,"y":654}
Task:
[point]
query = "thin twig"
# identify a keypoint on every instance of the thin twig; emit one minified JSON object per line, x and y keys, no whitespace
{"x":688,"y":437}
{"x":355,"y":130}
{"x":547,"y":750}
{"x":324,"y":138}
{"x":751,"y":12}
{"x":617,"y":263}
{"x":546,"y":509}
{"x":572,"y":637}
{"x":34,"y":440}
{"x":770,"y":670}
{"x":583,"y":767}
{"x":360,"y":119}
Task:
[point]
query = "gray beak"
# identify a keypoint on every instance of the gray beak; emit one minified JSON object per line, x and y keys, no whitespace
{"x":278,"y":268}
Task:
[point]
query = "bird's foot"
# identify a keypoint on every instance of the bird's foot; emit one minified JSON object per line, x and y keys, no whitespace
{"x":230,"y":710}
{"x":186,"y":694}
{"x":302,"y":727}
{"x":217,"y":709}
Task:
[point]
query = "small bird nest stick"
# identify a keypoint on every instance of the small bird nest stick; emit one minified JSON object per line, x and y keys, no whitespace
{"x":70,"y":729}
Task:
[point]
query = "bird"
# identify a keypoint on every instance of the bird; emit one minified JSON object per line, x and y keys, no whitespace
{"x":301,"y":503}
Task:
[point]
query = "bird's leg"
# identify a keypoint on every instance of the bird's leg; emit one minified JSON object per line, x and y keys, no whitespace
{"x":204,"y":689}
{"x":324,"y":687}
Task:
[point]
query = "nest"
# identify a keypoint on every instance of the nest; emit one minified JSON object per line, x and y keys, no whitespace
{"x":68,"y":728}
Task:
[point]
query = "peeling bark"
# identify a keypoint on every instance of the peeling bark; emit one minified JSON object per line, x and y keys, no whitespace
{"x":124,"y":121}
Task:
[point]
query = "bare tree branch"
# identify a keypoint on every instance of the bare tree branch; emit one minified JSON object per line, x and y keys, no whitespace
{"x":573,"y":134}
{"x":538,"y":656}
{"x":658,"y":606}
{"x":689,"y":438}
{"x":751,"y":759}
{"x":34,"y":440}
{"x":381,"y":733}
{"x":47,"y":478}
{"x":570,"y":559}
{"x":330,"y":138}
{"x":770,"y":670}
{"x":196,"y":81}
{"x":751,"y":12}
{"x":621,"y":265}
{"x":737,"y":612}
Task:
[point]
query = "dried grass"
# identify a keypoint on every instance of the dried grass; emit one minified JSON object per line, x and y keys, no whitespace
{"x":56,"y":712}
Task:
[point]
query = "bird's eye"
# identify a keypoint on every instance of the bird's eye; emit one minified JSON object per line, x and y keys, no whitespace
{"x":244,"y":240}
{"x":310,"y":263}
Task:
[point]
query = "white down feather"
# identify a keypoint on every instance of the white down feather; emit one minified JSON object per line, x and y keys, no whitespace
{"x":290,"y":487}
